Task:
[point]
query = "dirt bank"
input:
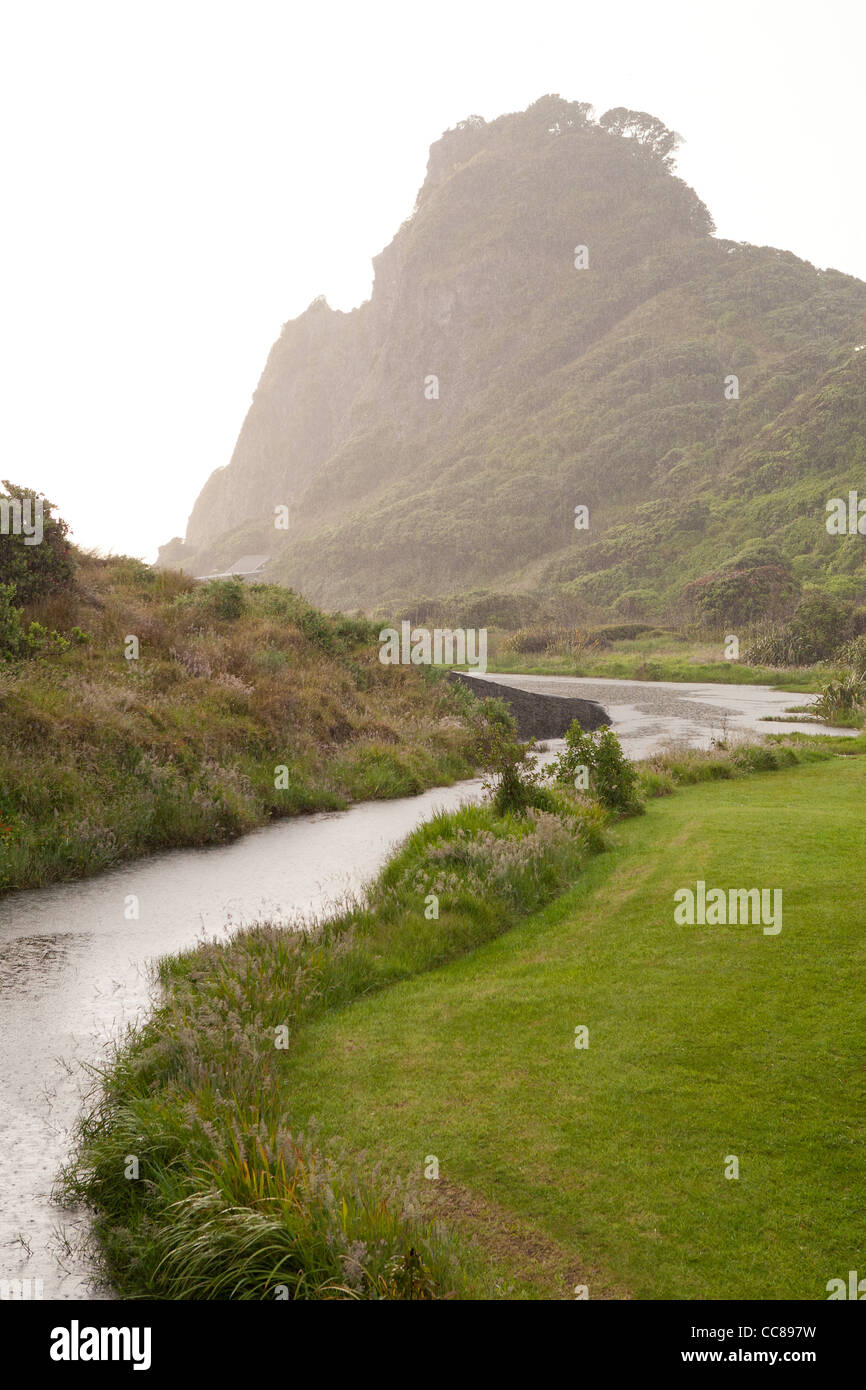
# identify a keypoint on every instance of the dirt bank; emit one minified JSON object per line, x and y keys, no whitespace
{"x":537,"y":715}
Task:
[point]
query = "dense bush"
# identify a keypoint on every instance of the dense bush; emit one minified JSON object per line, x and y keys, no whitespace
{"x":613,"y":780}
{"x":354,"y":631}
{"x":552,"y":639}
{"x":36,"y":570}
{"x":619,"y":632}
{"x":513,"y":775}
{"x":528,"y":641}
{"x":773,"y":645}
{"x":853,"y":654}
{"x":17,"y":641}
{"x":11,"y":632}
{"x":842,"y":697}
{"x":820,"y":625}
{"x":741,"y":595}
{"x":225,"y":597}
{"x":474,"y":608}
{"x":817,"y":631}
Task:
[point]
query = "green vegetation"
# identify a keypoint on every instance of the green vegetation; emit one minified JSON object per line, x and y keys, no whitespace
{"x":662,"y":773}
{"x":703,"y":1042}
{"x":820,"y":629}
{"x":843,"y":699}
{"x":549,"y":639}
{"x":595,"y":762}
{"x":231,"y":1199}
{"x":467,"y":964}
{"x":660,"y":657}
{"x":35,"y":555}
{"x":242,"y":704}
{"x":514,"y":778}
{"x":821,"y":648}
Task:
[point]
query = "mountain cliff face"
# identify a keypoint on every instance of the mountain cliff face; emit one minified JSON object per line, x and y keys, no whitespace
{"x":694,"y":395}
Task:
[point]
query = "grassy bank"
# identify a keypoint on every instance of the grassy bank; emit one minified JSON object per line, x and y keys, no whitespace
{"x":704,"y":1042}
{"x":241,"y":704}
{"x":420,"y":1037}
{"x":231,"y":1198}
{"x":654,"y":658}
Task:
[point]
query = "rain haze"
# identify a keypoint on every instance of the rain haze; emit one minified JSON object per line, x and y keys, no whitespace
{"x":432,"y":670}
{"x":181,"y":179}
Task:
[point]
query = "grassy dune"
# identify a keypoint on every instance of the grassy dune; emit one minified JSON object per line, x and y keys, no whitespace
{"x":103,"y":758}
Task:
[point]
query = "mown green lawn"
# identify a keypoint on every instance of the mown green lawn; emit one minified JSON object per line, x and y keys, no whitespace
{"x":704,"y":1042}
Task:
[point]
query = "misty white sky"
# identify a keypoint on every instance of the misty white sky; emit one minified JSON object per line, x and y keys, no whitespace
{"x":180,"y":178}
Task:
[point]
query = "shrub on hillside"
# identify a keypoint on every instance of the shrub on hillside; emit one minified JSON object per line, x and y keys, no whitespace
{"x":11,"y":631}
{"x":620,"y":632}
{"x":18,"y":641}
{"x":354,"y":631}
{"x":552,"y":639}
{"x":816,"y":632}
{"x":475,"y":608}
{"x":636,"y":603}
{"x":527,"y":641}
{"x":226,"y":598}
{"x":820,"y":625}
{"x":36,"y":570}
{"x":480,"y":608}
{"x":741,"y":595}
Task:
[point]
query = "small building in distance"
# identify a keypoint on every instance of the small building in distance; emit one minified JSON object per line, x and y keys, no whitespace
{"x":249,"y":568}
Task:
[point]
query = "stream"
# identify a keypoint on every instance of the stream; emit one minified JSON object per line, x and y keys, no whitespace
{"x":75,"y":972}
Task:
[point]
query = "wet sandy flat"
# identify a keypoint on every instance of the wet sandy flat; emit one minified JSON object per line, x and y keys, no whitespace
{"x":649,"y":716}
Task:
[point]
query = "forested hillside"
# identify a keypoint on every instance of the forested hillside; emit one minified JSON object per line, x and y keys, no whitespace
{"x":555,"y":327}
